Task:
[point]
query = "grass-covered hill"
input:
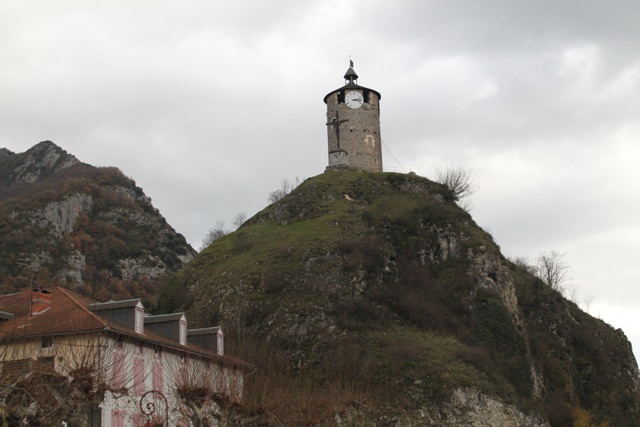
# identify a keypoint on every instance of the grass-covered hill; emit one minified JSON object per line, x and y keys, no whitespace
{"x":373,"y":299}
{"x":64,"y":222}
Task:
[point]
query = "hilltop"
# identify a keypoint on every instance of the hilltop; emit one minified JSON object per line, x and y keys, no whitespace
{"x":373,"y":299}
{"x":92,"y":229}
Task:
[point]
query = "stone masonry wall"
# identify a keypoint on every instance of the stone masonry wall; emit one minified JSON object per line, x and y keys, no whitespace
{"x":359,"y":135}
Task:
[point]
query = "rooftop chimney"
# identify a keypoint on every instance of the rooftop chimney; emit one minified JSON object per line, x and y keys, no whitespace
{"x":40,"y":302}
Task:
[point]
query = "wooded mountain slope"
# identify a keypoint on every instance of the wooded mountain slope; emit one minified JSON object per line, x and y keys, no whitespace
{"x":64,"y":222}
{"x":373,"y":299}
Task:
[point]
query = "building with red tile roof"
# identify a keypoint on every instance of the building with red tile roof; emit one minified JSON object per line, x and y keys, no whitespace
{"x":133,"y":353}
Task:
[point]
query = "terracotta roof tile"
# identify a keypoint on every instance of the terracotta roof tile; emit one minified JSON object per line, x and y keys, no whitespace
{"x":64,"y":315}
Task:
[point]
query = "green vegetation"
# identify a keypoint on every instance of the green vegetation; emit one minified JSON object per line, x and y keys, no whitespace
{"x":361,"y":287}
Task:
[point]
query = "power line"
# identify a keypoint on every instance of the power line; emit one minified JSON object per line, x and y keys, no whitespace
{"x":388,"y":150}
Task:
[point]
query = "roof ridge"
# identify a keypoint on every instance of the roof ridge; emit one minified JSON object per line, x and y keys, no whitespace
{"x":66,"y":293}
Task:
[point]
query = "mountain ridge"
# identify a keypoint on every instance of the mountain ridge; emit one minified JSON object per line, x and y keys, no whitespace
{"x":92,"y":229}
{"x":42,"y":159}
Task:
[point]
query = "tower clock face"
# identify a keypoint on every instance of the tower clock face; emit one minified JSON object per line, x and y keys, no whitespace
{"x":353,"y":99}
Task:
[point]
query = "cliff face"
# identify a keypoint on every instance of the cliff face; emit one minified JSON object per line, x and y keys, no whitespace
{"x":379,"y":302}
{"x":92,"y":229}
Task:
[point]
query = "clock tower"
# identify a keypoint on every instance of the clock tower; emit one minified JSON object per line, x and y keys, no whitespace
{"x":353,"y":126}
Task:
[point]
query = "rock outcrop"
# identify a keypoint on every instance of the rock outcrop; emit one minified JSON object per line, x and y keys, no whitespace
{"x":60,"y":217}
{"x":41,"y":160}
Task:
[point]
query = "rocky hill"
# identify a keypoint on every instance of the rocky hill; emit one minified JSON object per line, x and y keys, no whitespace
{"x":373,"y":299}
{"x":91,"y":229}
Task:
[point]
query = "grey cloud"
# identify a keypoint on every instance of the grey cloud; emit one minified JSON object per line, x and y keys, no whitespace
{"x":208,"y":105}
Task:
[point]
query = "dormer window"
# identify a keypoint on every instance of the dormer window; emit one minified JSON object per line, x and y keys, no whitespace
{"x":127,"y":313}
{"x":172,"y":326}
{"x":139,"y":320}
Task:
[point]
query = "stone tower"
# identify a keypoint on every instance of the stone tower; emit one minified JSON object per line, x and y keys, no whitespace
{"x":353,"y":126}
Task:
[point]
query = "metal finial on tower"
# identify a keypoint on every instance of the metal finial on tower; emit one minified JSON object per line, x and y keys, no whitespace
{"x":350,"y":76}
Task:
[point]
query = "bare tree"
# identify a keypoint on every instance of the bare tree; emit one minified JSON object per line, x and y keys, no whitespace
{"x":34,"y":393}
{"x":214,"y":233}
{"x":552,"y":270}
{"x":458,"y":179}
{"x":587,"y":302}
{"x":206,"y":397}
{"x":286,"y":187}
{"x":239,"y":219}
{"x":220,"y":230}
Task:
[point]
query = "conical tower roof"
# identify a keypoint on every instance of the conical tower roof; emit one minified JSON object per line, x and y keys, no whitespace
{"x":351,"y":76}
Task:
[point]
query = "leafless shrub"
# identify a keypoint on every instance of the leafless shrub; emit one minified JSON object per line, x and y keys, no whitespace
{"x":524,"y":263}
{"x":214,"y":233}
{"x":239,"y":219}
{"x":34,"y":393}
{"x":277,"y":387}
{"x":587,"y":303}
{"x":220,"y":229}
{"x":552,"y":270}
{"x":286,"y":187}
{"x":459,"y":181}
{"x":208,"y":395}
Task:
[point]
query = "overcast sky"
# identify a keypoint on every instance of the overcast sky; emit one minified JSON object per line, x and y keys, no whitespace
{"x":209,"y":105}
